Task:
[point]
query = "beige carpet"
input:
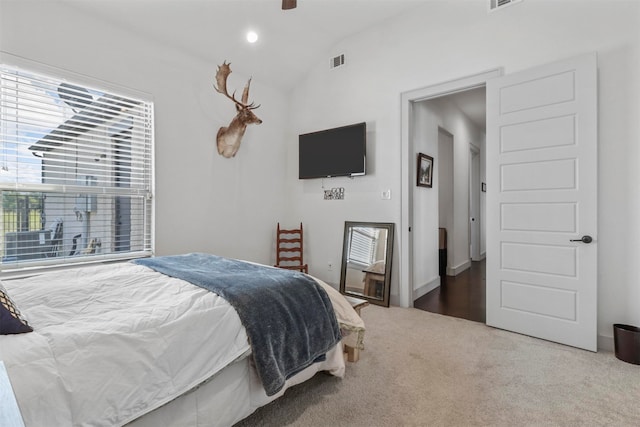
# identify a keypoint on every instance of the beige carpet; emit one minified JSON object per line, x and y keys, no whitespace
{"x":424,"y":369}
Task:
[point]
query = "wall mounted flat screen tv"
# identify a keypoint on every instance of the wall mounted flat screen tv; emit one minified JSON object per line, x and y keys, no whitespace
{"x":333,"y":152}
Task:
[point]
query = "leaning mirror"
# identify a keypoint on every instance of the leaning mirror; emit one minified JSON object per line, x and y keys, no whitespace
{"x":366,"y":261}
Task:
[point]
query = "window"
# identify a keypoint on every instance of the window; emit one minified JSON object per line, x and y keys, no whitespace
{"x":363,"y":245}
{"x":75,"y":172}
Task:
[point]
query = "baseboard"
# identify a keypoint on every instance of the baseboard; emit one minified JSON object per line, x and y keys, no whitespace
{"x":482,"y":256}
{"x":605,"y":343}
{"x":454,"y":271}
{"x":426,"y":288}
{"x":395,"y":300}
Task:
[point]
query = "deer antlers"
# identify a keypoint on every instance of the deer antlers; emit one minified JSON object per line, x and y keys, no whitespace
{"x":221,"y":79}
{"x":229,"y":138}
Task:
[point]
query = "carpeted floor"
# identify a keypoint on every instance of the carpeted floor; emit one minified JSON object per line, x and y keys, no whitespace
{"x":425,"y":369}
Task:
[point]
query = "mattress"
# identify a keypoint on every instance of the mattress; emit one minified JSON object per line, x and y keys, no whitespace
{"x":114,"y":342}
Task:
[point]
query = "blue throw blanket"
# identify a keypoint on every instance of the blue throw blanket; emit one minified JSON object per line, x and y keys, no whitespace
{"x":288,"y":317}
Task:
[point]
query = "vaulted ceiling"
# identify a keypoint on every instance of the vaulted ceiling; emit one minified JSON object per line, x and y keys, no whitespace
{"x":289,"y":43}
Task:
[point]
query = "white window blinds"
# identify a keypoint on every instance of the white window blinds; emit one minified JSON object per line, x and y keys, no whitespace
{"x":75,"y":172}
{"x":363,"y":245}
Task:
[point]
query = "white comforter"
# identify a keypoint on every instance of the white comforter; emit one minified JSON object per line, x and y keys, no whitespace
{"x":116,"y":341}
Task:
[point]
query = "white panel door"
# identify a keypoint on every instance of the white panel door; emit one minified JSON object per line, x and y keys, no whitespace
{"x":542,"y":200}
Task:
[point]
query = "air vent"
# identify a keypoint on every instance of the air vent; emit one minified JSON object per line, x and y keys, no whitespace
{"x":498,"y":4}
{"x":337,"y":61}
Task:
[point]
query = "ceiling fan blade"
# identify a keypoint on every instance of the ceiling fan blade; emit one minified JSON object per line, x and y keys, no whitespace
{"x":289,"y":4}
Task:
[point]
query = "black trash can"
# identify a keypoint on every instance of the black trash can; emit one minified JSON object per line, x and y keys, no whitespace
{"x":626,"y":340}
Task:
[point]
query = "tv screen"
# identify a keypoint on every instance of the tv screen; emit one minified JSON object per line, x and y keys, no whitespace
{"x":333,"y":152}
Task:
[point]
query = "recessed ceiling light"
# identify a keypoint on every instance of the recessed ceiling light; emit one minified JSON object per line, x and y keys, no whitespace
{"x":252,"y":37}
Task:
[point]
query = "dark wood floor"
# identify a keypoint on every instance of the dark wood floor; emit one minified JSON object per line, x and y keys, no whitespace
{"x":459,"y":296}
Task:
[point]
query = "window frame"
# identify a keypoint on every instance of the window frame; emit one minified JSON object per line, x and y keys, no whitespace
{"x":147,"y":197}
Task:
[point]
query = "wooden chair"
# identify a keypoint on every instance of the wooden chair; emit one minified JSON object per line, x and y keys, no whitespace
{"x":289,"y":249}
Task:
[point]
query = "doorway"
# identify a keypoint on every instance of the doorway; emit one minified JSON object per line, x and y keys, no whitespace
{"x":541,"y":271}
{"x":415,"y":232}
{"x":460,"y":121}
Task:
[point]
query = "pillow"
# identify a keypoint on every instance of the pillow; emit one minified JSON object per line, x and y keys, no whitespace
{"x":11,"y":322}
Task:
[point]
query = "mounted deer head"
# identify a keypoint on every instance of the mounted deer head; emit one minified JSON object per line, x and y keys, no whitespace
{"x":229,"y":137}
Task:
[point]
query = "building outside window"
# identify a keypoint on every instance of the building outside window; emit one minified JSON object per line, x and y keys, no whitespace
{"x":75,"y":171}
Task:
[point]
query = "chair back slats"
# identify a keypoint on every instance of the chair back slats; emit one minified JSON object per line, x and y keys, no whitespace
{"x":289,"y":249}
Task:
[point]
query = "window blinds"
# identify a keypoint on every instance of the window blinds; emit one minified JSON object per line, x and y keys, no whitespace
{"x":363,"y":245}
{"x":75,"y":172}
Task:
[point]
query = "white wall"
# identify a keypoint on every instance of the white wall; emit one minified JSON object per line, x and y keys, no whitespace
{"x":208,"y":203}
{"x":449,"y":40}
{"x":444,"y":165}
{"x":204,"y":202}
{"x":425,"y":272}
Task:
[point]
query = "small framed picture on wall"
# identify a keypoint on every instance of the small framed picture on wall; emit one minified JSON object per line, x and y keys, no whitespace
{"x":425,"y":170}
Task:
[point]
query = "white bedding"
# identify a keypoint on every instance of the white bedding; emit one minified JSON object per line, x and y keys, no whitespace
{"x":231,"y":395}
{"x":113,"y":342}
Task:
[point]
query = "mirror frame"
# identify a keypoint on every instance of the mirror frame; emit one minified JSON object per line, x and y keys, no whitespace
{"x":390,"y":227}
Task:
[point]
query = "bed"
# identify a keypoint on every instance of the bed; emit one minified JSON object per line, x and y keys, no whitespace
{"x":125,"y":344}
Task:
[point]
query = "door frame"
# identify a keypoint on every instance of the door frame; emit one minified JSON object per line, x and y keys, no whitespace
{"x":408,"y":98}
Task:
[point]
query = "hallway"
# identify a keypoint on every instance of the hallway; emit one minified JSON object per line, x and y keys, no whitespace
{"x":459,"y":296}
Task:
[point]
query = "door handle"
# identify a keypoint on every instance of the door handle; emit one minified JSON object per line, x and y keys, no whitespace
{"x":583,"y":239}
